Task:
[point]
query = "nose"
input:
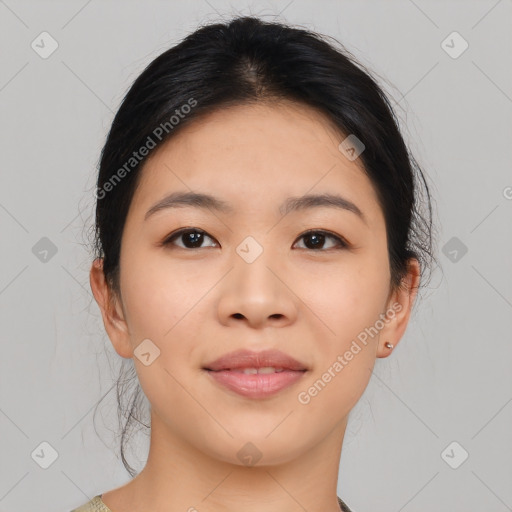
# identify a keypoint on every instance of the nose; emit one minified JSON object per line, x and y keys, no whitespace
{"x":257,"y":294}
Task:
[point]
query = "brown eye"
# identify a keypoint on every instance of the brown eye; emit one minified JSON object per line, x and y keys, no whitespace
{"x":191,"y":238}
{"x":315,"y":240}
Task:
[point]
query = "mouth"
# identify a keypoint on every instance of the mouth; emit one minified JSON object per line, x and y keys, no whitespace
{"x":255,"y":375}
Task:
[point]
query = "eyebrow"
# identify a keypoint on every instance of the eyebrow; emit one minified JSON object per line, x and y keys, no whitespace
{"x":291,"y":204}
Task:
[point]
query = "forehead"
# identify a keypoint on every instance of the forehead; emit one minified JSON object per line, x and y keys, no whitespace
{"x":251,"y":155}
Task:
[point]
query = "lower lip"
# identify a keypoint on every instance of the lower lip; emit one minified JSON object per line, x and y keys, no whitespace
{"x":259,"y":385}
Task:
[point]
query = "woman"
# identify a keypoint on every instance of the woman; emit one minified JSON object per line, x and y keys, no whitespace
{"x":260,"y":244}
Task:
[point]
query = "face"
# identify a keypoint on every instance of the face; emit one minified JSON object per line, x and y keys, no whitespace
{"x":312,"y":281}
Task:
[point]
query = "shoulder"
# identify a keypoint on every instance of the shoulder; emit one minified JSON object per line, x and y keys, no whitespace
{"x":95,"y":505}
{"x":343,"y":505}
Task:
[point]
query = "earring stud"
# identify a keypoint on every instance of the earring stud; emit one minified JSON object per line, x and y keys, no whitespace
{"x":388,"y":345}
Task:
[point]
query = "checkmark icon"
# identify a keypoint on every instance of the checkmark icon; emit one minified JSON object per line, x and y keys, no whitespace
{"x":44,"y":45}
{"x":249,"y":249}
{"x":454,"y":45}
{"x":454,"y":455}
{"x":44,"y":455}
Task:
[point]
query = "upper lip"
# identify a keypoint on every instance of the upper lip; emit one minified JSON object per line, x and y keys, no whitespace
{"x":250,"y":359}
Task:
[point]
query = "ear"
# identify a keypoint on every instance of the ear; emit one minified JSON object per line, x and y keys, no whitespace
{"x":111,"y":310}
{"x":399,"y":308}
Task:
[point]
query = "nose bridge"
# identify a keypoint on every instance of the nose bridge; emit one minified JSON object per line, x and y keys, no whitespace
{"x":251,"y":268}
{"x":252,"y":289}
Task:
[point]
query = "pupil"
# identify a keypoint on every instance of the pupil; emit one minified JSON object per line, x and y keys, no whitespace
{"x":195,"y":238}
{"x":319,"y":240}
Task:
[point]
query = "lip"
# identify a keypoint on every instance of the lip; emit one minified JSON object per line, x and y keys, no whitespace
{"x":258,"y":385}
{"x":226,"y":371}
{"x":251,"y":359}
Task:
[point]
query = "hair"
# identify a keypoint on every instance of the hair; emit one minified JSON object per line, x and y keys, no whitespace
{"x":247,"y":61}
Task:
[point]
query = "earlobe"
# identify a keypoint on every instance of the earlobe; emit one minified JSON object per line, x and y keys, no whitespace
{"x":400,"y":306}
{"x":111,"y":310}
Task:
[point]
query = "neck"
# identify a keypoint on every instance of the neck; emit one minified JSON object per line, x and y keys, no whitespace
{"x":179,"y":476}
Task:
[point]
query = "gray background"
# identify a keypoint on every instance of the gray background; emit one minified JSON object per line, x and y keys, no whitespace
{"x":448,"y":380}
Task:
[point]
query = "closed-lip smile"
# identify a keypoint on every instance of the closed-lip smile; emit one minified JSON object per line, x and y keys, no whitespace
{"x":256,"y":374}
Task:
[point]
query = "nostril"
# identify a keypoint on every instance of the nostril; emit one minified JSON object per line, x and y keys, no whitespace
{"x":238,"y":315}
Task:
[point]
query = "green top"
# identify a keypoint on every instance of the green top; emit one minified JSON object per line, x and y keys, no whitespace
{"x":97,"y":505}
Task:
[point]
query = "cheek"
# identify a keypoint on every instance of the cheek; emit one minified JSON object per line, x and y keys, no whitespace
{"x":348,"y":303}
{"x":348,"y":296}
{"x":157,"y":295}
{"x":161,"y":305}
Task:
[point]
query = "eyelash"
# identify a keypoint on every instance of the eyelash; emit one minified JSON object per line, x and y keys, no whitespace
{"x":342,"y":243}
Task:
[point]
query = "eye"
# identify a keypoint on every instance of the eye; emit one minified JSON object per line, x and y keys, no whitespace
{"x":192,"y":238}
{"x":316,"y":240}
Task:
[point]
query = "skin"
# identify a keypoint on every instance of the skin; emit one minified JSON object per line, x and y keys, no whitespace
{"x":198,"y":304}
